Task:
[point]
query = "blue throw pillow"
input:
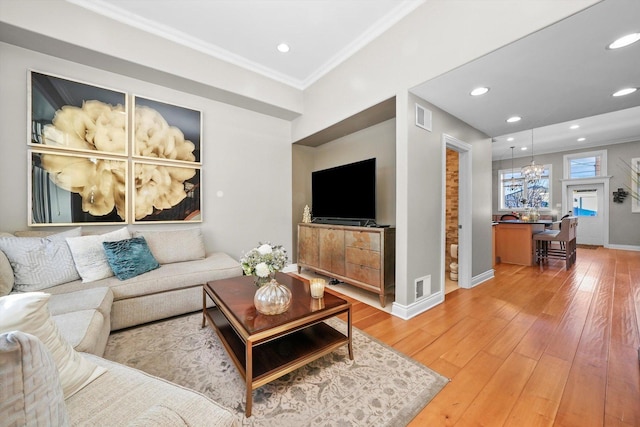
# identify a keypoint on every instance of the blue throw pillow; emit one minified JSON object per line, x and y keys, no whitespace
{"x":130,"y":257}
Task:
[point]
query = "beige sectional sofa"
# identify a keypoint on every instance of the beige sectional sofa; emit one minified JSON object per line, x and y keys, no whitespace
{"x":86,"y":312}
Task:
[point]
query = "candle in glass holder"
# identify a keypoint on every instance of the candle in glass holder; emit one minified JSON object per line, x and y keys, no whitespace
{"x":317,"y":288}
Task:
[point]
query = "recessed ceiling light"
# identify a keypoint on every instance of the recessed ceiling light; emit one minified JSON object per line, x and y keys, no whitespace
{"x":523,"y":148}
{"x":574,"y":127}
{"x":625,"y":91}
{"x":625,"y":41}
{"x":510,"y":139}
{"x":581,"y":139}
{"x":479,"y":91}
{"x":283,"y":47}
{"x":514,"y":119}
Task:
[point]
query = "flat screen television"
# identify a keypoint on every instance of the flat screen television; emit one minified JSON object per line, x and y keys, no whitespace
{"x":346,"y":192}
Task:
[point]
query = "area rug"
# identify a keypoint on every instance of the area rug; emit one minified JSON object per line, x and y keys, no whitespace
{"x":380,"y":387}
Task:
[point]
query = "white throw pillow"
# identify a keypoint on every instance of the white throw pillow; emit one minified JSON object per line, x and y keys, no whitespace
{"x":28,"y":312}
{"x":40,"y":262}
{"x":31,"y":393}
{"x":175,"y":245}
{"x":90,"y":257}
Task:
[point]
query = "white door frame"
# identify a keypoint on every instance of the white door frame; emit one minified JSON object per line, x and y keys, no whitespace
{"x":566,"y":183}
{"x":464,"y":209}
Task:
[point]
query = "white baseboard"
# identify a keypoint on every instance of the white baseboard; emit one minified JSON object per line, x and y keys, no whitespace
{"x":623,"y":247}
{"x":482,"y":277}
{"x":408,"y":311}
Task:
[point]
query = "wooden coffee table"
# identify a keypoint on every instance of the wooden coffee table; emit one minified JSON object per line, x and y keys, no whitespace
{"x":264,"y":347}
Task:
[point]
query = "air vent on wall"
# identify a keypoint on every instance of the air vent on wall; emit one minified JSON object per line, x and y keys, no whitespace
{"x":423,"y":117}
{"x":423,"y":287}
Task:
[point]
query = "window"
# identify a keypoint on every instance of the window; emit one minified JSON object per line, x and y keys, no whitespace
{"x":517,"y":194}
{"x":585,"y":165}
{"x":585,"y":202}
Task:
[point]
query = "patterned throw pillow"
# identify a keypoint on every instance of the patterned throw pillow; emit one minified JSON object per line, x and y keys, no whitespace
{"x":130,"y":258}
{"x":31,"y":393}
{"x":89,"y":257}
{"x":28,"y":312}
{"x":40,"y":262}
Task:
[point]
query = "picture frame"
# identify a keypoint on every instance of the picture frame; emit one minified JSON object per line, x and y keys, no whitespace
{"x":76,"y":189}
{"x":67,"y":114}
{"x":166,"y":192}
{"x":163,"y":131}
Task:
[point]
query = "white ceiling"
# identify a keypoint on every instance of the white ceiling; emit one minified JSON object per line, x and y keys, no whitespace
{"x":556,"y":77}
{"x":321,"y":33}
{"x":560,"y":74}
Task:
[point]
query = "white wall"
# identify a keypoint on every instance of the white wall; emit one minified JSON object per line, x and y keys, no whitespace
{"x":246,"y":155}
{"x":63,"y":29}
{"x":435,"y":38}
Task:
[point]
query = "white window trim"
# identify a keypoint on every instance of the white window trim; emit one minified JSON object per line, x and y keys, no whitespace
{"x":599,"y":153}
{"x":522,"y":209}
{"x":635,"y":203}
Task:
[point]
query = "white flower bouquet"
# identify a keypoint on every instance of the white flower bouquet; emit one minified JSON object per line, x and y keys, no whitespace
{"x":264,"y":261}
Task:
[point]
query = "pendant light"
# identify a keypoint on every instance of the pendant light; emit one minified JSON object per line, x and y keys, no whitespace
{"x":513,"y":186}
{"x":532,"y":172}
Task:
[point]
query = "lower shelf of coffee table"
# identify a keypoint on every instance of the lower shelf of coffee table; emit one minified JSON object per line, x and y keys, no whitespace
{"x":281,"y":355}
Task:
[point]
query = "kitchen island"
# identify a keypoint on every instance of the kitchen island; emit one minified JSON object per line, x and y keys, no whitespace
{"x":514,"y":240}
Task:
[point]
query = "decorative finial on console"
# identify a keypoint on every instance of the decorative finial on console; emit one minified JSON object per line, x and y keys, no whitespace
{"x":306,"y":215}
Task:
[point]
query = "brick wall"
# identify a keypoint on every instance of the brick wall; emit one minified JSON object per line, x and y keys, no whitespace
{"x":451,"y":220}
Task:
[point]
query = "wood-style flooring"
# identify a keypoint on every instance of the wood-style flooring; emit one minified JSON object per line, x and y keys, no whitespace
{"x":530,"y":348}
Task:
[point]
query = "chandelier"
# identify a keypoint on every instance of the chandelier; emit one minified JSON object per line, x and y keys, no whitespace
{"x":532,"y":172}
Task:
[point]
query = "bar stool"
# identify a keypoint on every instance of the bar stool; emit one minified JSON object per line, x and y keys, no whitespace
{"x":566,"y":238}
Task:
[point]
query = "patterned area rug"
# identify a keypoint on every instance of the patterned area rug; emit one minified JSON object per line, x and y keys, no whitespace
{"x":381,"y":387}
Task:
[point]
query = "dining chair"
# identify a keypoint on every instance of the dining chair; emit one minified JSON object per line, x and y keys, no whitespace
{"x":508,"y":217}
{"x":565,"y":236}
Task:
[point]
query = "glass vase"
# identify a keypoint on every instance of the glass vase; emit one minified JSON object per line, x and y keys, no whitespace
{"x":272,"y":298}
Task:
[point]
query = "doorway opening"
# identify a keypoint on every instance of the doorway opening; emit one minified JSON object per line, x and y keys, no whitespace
{"x":456,"y":215}
{"x":451,"y":221}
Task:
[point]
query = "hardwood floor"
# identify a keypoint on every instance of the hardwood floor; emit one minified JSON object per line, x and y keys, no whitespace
{"x":530,"y":348}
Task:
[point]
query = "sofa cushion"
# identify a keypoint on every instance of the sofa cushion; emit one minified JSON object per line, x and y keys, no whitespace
{"x":31,"y":393}
{"x":84,"y":318}
{"x":99,"y":298}
{"x":169,"y":277}
{"x":185,"y":245}
{"x":130,"y":257}
{"x":82,"y":329}
{"x":89,"y":256}
{"x":122,"y":394}
{"x":40,"y":262}
{"x":28,"y":312}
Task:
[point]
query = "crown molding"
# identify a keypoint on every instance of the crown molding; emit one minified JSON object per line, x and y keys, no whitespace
{"x":103,"y":8}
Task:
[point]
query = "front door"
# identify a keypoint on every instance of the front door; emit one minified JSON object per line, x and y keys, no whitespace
{"x":587,"y":203}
